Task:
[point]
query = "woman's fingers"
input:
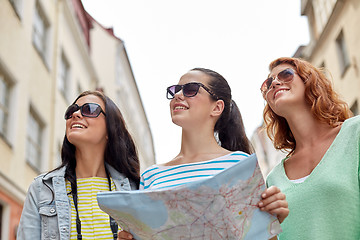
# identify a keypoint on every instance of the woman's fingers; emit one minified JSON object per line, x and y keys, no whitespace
{"x":123,"y":235}
{"x":274,"y":202}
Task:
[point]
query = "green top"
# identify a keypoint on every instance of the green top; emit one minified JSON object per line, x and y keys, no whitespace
{"x":327,"y":204}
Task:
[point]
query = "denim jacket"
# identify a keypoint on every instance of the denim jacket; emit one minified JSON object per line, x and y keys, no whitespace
{"x":44,"y":219}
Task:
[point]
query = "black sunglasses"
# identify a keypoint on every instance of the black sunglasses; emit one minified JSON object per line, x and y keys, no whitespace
{"x":189,"y":90}
{"x":91,"y":110}
{"x":285,"y":76}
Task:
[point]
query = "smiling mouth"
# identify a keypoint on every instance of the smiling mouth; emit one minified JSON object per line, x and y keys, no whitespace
{"x":77,"y":126}
{"x":280,"y":91}
{"x":180,"y":108}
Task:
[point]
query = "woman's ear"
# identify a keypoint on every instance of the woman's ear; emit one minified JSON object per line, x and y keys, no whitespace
{"x":218,"y":108}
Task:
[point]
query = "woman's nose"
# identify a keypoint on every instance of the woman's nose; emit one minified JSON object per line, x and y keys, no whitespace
{"x":275,"y":82}
{"x":77,"y":114}
{"x":179,"y":94}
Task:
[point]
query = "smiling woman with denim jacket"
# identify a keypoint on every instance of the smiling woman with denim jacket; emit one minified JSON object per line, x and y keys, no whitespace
{"x":98,"y":154}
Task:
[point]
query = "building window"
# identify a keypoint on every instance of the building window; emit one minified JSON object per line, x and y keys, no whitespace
{"x":1,"y":217}
{"x":34,"y":141}
{"x":355,"y":108}
{"x":323,"y":9}
{"x":324,"y":70}
{"x":58,"y":159}
{"x":64,"y":75}
{"x":17,"y":5}
{"x":119,"y":66}
{"x":343,"y":56}
{"x":4,"y":105}
{"x":322,"y":65}
{"x":79,"y":89}
{"x":40,"y":32}
{"x":119,"y":100}
{"x":314,"y":33}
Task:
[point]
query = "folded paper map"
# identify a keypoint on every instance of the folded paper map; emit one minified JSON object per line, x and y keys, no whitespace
{"x":221,"y":207}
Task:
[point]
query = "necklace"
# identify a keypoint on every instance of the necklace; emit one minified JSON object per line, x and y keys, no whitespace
{"x":113,"y":224}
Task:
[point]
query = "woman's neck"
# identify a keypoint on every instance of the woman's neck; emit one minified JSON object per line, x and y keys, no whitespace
{"x":89,"y":163}
{"x":197,"y":146}
{"x":307,"y":130}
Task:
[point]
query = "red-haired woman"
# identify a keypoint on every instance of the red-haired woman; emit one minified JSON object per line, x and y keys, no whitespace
{"x":320,"y":175}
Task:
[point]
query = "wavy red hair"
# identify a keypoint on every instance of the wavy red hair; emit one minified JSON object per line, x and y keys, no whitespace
{"x":325,"y":103}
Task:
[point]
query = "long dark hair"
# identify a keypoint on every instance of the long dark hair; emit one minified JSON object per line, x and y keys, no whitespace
{"x":120,"y":150}
{"x":229,"y":127}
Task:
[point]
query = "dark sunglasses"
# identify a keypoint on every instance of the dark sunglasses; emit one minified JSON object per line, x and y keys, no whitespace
{"x":91,"y":110}
{"x":189,"y":90}
{"x":285,"y":76}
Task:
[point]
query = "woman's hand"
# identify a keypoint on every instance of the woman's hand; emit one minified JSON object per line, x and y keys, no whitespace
{"x":123,"y":235}
{"x":274,"y":202}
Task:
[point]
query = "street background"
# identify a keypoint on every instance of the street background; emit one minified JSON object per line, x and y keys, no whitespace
{"x":164,"y":39}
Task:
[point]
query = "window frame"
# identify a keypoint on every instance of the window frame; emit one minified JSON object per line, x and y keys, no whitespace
{"x":5,"y":215}
{"x":36,"y":163}
{"x":343,"y":55}
{"x":8,"y":79}
{"x":40,"y":33}
{"x":355,"y":108}
{"x":1,"y":219}
{"x":17,"y":6}
{"x":4,"y":107}
{"x":64,"y":75}
{"x":323,"y":10}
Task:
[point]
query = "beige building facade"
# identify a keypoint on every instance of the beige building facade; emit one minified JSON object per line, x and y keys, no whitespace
{"x":335,"y":44}
{"x":50,"y":51}
{"x":268,"y":157}
{"x":120,"y":86}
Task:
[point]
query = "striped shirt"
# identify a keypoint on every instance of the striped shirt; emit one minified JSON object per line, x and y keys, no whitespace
{"x":95,"y":223}
{"x":157,"y":176}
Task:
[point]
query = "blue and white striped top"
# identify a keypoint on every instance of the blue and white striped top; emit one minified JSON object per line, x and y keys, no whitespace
{"x":156,"y":176}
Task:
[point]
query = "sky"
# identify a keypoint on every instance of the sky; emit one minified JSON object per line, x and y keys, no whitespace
{"x":166,"y":38}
